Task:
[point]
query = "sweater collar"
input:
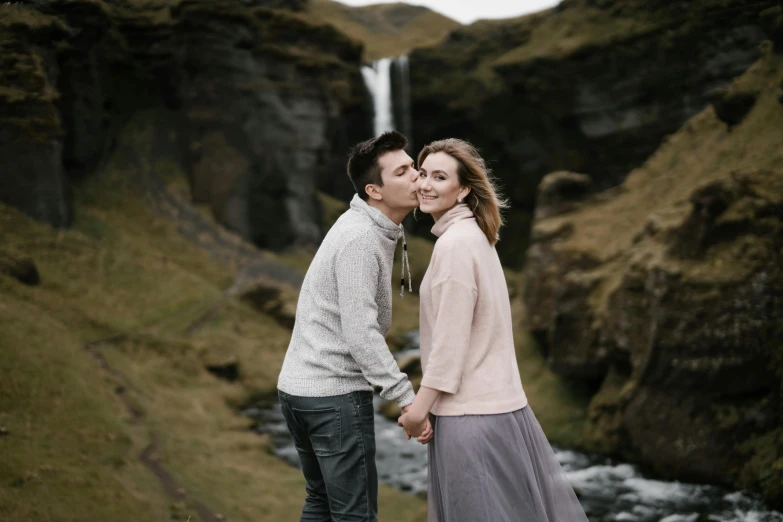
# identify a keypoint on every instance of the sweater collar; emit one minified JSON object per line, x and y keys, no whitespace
{"x":386,"y":225}
{"x":456,"y":213}
{"x":389,"y":230}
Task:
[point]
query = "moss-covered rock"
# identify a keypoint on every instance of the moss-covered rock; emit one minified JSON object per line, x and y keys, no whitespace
{"x":664,"y":293}
{"x":20,"y":267}
{"x":589,"y":87}
{"x":266,"y":102}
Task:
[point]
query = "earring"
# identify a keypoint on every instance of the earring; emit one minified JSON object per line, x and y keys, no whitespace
{"x":459,"y":200}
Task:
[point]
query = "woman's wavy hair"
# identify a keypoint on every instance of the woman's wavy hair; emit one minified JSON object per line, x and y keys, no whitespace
{"x":484,"y":199}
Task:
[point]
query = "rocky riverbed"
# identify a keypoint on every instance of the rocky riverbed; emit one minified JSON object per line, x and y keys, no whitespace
{"x":609,"y":490}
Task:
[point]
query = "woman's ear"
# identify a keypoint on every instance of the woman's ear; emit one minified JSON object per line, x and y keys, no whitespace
{"x":463,"y":193}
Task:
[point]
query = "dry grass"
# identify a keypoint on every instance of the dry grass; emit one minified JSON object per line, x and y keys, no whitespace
{"x":384,"y":29}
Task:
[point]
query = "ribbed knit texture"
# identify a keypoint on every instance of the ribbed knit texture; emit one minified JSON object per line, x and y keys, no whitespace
{"x":467,"y":340}
{"x":344,"y":312}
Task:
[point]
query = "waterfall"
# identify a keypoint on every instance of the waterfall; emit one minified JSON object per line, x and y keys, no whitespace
{"x":378,"y":79}
{"x":389,"y":84}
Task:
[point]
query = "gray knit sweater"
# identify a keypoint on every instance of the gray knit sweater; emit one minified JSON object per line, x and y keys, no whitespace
{"x":339,"y":340}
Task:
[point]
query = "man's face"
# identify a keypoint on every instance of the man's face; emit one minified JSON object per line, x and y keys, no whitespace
{"x":398,"y":175}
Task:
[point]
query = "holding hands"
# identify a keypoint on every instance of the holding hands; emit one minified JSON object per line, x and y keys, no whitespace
{"x":414,"y":424}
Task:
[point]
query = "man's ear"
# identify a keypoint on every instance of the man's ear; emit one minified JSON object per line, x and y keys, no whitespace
{"x":372,"y":191}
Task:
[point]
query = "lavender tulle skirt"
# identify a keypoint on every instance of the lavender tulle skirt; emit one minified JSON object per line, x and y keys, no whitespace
{"x":497,"y":468}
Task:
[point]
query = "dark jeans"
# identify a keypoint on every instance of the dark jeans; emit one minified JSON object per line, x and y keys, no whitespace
{"x":335,"y":438}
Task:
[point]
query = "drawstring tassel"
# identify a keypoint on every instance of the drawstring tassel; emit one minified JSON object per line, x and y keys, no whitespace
{"x":405,"y":263}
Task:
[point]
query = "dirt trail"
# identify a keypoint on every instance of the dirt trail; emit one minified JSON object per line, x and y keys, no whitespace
{"x":151,"y":455}
{"x":248,"y":263}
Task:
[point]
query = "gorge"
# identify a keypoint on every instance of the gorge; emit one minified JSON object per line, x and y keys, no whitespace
{"x":639,"y":144}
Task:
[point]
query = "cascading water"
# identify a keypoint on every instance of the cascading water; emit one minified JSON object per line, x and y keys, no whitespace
{"x":378,"y":79}
{"x":388,"y":83}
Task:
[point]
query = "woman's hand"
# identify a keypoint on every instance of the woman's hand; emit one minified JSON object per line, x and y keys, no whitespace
{"x":415,"y":418}
{"x":427,"y":434}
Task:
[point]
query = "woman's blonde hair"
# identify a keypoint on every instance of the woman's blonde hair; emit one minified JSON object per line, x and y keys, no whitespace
{"x":483,"y":198}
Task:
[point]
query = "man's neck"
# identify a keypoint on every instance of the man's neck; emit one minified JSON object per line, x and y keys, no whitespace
{"x":395,"y":214}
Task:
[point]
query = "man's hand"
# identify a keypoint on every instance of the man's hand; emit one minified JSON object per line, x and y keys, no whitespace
{"x":413,"y":423}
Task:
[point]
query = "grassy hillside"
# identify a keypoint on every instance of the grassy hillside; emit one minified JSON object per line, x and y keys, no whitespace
{"x":384,"y":29}
{"x":106,"y":407}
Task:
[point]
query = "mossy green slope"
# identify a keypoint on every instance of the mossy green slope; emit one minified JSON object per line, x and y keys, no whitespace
{"x":79,"y":415}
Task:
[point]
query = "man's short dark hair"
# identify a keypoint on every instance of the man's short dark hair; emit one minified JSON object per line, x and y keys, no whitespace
{"x":363,"y":167}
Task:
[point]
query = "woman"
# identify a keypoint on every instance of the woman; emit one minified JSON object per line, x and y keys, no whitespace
{"x":489,"y":460}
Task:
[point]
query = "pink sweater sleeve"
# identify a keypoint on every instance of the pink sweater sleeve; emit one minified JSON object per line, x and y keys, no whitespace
{"x":453,"y":301}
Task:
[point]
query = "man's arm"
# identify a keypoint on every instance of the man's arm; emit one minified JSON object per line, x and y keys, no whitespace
{"x":357,"y":272}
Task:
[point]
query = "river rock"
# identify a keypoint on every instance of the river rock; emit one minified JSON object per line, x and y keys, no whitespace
{"x":665,"y":295}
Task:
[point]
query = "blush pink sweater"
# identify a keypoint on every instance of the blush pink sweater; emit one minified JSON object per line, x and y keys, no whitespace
{"x":467,"y":343}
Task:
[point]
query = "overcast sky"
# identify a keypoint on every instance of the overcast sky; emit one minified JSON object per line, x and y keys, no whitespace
{"x":467,"y":11}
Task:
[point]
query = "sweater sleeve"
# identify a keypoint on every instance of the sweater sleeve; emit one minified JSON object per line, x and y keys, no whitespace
{"x":453,"y":302}
{"x":357,"y":272}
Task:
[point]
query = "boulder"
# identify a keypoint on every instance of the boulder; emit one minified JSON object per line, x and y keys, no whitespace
{"x":272,"y":298}
{"x":20,"y":267}
{"x":730,"y":106}
{"x":558,"y":192}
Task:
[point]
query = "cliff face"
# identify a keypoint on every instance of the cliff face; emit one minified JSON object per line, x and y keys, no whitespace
{"x":590,"y":87}
{"x":263,"y":101}
{"x":665,"y":292}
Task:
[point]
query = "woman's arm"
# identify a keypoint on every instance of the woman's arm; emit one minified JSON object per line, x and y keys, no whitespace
{"x":415,"y":422}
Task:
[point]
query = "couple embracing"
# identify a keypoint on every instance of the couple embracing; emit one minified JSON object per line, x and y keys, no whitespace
{"x":489,"y":460}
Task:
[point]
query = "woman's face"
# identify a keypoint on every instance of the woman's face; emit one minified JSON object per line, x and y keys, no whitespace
{"x":438,"y":185}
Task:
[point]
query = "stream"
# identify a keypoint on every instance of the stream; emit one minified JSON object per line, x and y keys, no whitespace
{"x":608,"y":490}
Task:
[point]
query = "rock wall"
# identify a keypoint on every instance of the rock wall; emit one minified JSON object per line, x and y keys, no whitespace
{"x":589,"y":87}
{"x":665,"y":294}
{"x":266,"y":102}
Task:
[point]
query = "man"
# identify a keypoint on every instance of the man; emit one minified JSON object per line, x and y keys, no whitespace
{"x":338,"y":349}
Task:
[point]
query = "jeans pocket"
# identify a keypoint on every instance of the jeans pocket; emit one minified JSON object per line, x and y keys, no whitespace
{"x":324,"y":428}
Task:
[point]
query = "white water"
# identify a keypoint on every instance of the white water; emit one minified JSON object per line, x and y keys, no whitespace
{"x":377,"y":77}
{"x":608,"y":490}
